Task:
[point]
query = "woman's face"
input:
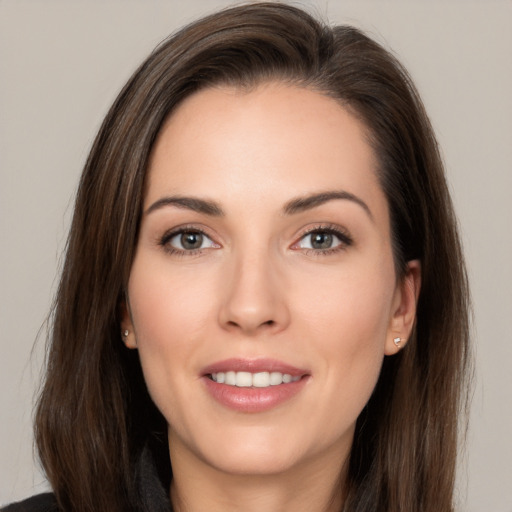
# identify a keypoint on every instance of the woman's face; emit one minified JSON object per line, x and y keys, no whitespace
{"x":262,"y":297}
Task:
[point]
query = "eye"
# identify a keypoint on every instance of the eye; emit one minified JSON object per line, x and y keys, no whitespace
{"x":188,"y":240}
{"x":319,"y":240}
{"x":324,"y":240}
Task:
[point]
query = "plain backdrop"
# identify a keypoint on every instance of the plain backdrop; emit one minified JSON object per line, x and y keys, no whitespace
{"x":61,"y":65}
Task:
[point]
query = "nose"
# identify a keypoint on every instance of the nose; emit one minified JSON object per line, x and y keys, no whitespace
{"x":254,"y":296}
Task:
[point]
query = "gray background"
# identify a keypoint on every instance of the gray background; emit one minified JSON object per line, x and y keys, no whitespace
{"x":61,"y":65}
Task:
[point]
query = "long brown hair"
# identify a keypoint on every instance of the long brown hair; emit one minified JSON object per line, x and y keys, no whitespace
{"x":95,"y":420}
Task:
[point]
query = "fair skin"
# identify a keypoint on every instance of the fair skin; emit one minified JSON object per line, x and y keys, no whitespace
{"x":250,"y":271}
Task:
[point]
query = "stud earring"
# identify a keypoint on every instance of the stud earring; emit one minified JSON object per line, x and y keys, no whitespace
{"x":397,"y":341}
{"x":125,"y":333}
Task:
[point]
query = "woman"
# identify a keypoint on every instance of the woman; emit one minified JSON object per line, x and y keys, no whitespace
{"x":263,"y":302}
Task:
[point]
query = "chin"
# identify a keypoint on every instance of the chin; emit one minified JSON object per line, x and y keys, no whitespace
{"x":267,"y":451}
{"x":246,"y":450}
{"x":259,"y":463}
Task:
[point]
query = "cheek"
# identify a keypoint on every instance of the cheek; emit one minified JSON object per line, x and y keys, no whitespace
{"x":349,"y":319}
{"x":352,"y":306}
{"x":167,"y":306}
{"x":169,"y":313}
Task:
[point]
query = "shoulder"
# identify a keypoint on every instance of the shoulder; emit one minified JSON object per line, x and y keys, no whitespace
{"x":40,"y":503}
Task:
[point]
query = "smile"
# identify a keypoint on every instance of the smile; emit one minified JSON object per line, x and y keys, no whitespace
{"x":253,"y":385}
{"x":257,"y":380}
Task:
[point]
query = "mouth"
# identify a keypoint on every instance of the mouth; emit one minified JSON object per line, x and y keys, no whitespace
{"x":256,"y":380}
{"x":252,"y":386}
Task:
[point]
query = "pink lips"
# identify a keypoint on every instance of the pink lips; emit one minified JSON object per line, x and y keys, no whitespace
{"x":252,"y":399}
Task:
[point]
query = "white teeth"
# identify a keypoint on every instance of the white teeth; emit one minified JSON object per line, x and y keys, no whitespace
{"x":276,"y":378}
{"x":243,"y":379}
{"x":261,"y":380}
{"x":257,"y":380}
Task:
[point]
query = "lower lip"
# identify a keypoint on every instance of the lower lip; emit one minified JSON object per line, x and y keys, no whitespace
{"x":253,"y":399}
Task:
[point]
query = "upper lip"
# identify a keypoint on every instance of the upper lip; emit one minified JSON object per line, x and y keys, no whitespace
{"x":253,"y":366}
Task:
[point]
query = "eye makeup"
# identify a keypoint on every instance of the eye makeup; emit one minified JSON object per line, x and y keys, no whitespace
{"x":323,"y":240}
{"x":318,"y":240}
{"x":193,"y":241}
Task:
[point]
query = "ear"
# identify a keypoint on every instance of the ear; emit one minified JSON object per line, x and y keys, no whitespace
{"x":127,"y":331}
{"x":403,"y":312}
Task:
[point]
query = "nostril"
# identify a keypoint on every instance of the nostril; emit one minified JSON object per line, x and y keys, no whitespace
{"x":267,"y":323}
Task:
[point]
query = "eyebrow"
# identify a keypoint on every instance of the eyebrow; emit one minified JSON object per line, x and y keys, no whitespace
{"x":297,"y":205}
{"x":195,"y":204}
{"x":301,"y":204}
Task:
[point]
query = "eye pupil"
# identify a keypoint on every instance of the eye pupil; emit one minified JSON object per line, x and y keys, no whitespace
{"x":321,"y":240}
{"x":191,"y":241}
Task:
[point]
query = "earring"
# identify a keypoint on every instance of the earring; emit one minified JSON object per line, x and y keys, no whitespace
{"x":397,"y":341}
{"x":125,"y":333}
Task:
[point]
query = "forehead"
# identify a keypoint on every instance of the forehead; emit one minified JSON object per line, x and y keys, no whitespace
{"x":272,"y":141}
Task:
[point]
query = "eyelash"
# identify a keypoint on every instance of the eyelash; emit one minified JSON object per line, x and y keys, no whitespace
{"x":169,"y":235}
{"x":344,"y":238}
